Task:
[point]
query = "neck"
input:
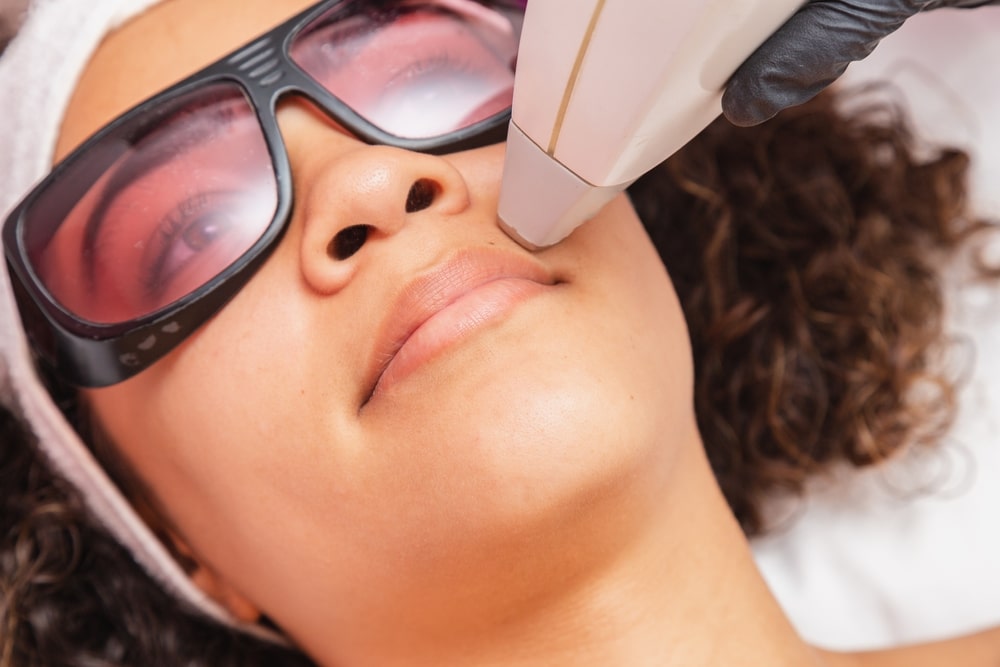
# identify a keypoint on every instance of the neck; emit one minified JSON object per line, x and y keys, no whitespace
{"x":687,"y":592}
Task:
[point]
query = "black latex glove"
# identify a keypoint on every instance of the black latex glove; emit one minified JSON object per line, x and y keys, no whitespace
{"x":812,"y":49}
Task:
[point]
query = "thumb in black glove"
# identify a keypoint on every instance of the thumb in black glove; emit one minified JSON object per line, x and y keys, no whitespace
{"x":812,"y":49}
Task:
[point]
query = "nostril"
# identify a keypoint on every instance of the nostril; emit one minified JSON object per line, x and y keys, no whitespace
{"x":348,"y":241}
{"x":421,"y":195}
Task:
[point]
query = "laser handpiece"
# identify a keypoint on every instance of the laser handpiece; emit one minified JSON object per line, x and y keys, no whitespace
{"x":607,"y":89}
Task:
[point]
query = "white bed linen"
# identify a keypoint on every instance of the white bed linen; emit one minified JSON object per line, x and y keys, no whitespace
{"x":868,"y":560}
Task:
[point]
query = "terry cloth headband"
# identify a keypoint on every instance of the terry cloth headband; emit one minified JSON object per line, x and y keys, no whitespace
{"x":38,"y":73}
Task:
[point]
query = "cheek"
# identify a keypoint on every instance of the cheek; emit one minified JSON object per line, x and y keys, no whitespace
{"x":228,"y":427}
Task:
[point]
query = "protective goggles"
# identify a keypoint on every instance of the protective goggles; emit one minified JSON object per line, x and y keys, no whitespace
{"x":141,"y":234}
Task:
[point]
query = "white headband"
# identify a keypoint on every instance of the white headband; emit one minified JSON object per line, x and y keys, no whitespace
{"x":38,"y":73}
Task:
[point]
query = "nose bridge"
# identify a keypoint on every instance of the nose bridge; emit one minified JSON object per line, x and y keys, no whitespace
{"x":371,"y":185}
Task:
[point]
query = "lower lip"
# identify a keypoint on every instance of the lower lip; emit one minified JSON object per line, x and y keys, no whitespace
{"x":456,"y":322}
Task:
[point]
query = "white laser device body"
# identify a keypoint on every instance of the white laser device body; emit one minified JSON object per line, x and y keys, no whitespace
{"x":607,"y":89}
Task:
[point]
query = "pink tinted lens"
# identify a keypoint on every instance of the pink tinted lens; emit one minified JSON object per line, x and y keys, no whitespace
{"x":414,"y":69}
{"x":158,"y":210}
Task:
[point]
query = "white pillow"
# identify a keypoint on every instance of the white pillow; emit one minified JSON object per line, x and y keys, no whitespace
{"x":874,"y":558}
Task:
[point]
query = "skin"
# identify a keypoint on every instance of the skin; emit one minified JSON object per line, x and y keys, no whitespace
{"x":534,"y":493}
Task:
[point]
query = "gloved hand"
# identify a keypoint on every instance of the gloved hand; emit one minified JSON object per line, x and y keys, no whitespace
{"x":813,"y":49}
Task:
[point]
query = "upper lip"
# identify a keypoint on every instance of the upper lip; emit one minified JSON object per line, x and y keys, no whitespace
{"x":433,"y":290}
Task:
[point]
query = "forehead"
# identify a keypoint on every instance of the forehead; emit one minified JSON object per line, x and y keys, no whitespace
{"x":158,"y":48}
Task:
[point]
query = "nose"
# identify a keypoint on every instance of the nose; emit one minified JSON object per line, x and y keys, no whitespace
{"x":359,"y":198}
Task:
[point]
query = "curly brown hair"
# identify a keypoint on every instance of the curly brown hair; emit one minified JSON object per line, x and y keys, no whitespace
{"x":804,"y":252}
{"x":71,"y":596}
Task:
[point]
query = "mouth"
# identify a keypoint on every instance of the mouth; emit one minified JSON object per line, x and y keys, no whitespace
{"x":451,"y":302}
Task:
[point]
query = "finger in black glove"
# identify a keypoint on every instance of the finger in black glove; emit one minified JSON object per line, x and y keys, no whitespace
{"x":812,"y":49}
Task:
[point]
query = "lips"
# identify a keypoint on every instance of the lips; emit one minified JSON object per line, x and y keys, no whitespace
{"x":447,"y":304}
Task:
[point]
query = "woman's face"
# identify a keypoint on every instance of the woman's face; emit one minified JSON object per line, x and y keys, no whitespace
{"x":434,"y":417}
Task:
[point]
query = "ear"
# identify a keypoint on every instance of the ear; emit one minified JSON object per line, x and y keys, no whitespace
{"x":213,"y":584}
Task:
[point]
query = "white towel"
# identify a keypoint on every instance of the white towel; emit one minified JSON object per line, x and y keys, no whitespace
{"x":38,"y":73}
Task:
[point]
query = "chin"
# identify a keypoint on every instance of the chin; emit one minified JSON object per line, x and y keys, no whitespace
{"x":531,"y":435}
